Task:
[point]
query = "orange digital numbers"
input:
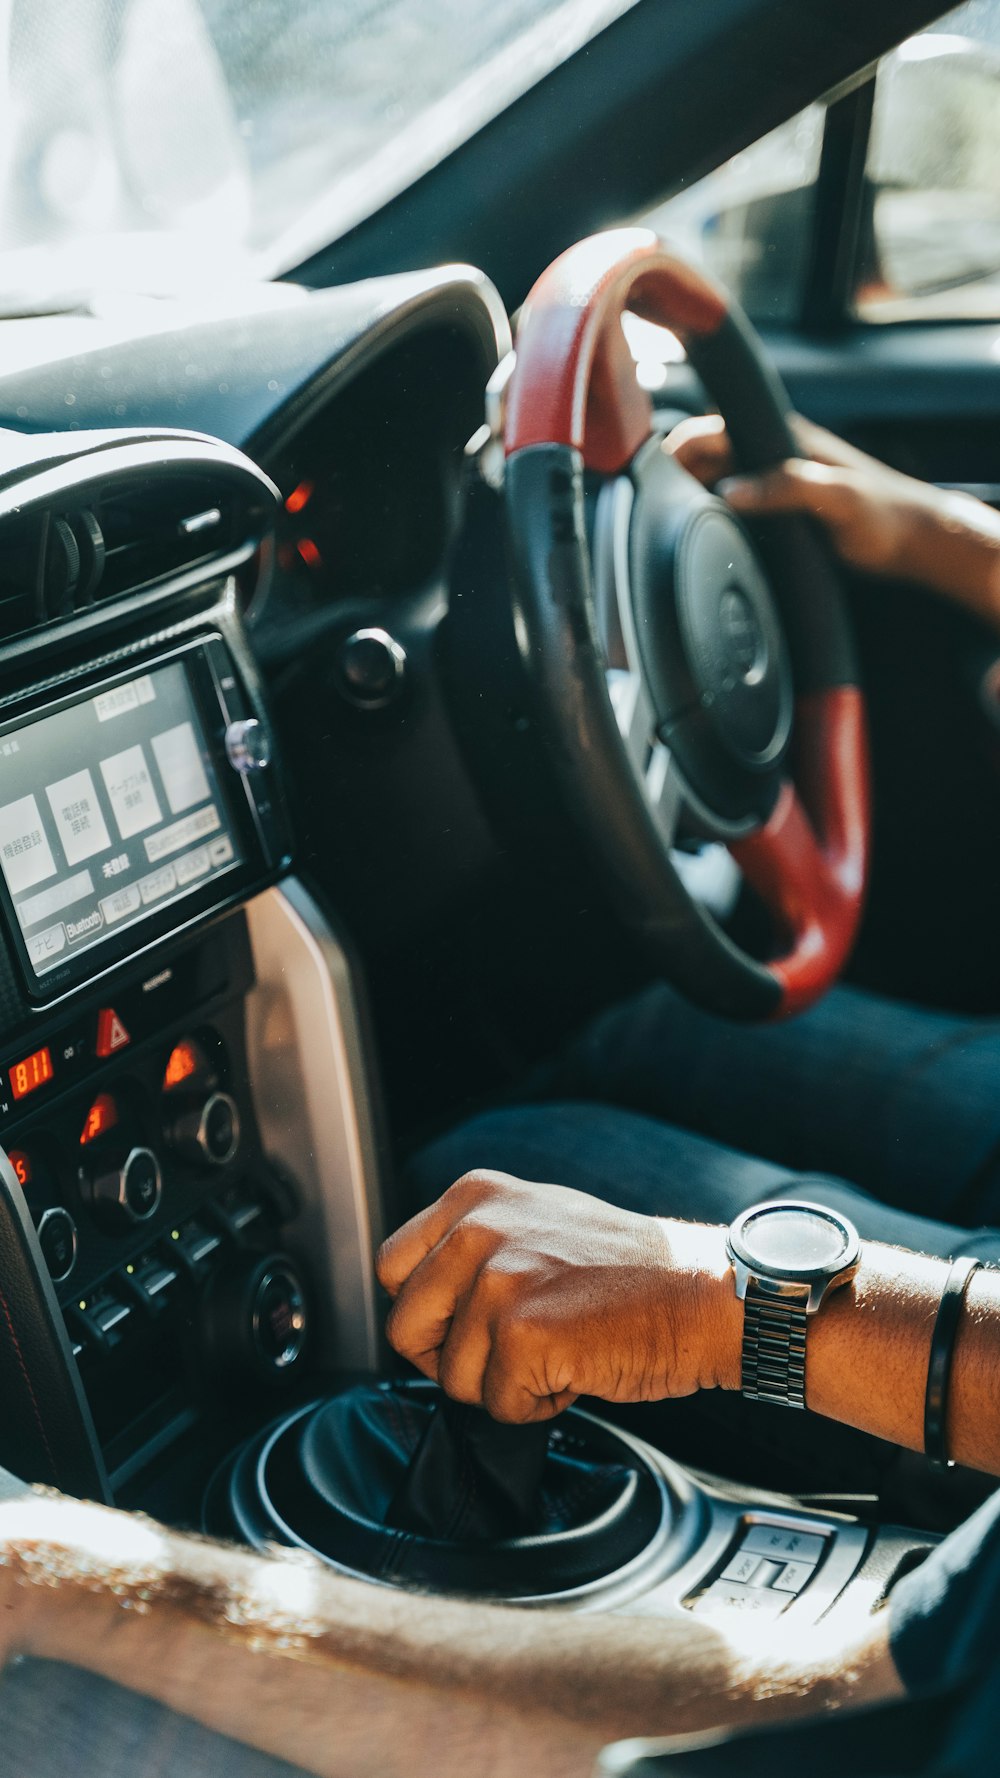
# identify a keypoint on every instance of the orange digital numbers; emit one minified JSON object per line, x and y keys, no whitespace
{"x":21,"y":1165}
{"x":102,"y":1116}
{"x":185,"y":1059}
{"x":33,"y":1072}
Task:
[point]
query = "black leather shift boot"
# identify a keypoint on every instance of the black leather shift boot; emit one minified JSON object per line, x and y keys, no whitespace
{"x":472,"y":1480}
{"x":383,"y":1480}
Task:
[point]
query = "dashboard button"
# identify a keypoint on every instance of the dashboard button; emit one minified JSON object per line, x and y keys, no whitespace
{"x":766,"y":1574}
{"x":57,"y":1239}
{"x":112,"y":1034}
{"x":729,"y":1595}
{"x":110,"y":1315}
{"x":778,"y":1541}
{"x":193,"y":1245}
{"x":792,"y":1577}
{"x":235,"y":1212}
{"x":743,"y":1567}
{"x":278,"y":1318}
{"x":102,"y":1321}
{"x":149,"y":1280}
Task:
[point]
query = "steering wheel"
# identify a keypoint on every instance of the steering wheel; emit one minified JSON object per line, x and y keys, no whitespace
{"x":674,"y":673}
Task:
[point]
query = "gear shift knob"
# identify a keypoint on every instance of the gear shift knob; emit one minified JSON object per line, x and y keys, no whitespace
{"x":472,"y":1479}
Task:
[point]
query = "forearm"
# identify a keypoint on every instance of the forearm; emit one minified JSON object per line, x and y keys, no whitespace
{"x":348,"y":1679}
{"x":951,"y":544}
{"x":868,"y":1350}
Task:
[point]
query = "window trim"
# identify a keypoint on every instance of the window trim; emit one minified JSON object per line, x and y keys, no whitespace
{"x":841,"y":204}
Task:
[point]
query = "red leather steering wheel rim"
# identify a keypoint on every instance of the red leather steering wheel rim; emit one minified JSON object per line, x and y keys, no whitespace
{"x":574,"y":390}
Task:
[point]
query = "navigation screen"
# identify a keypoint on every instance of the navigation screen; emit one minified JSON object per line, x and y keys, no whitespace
{"x":110,"y":811}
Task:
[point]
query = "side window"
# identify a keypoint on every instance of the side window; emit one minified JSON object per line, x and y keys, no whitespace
{"x":749,"y":221}
{"x":925,"y":215}
{"x":932,"y":250}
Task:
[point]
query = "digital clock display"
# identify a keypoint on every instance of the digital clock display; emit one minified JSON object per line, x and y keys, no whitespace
{"x":33,"y":1072}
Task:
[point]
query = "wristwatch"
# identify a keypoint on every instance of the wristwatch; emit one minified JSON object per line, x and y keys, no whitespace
{"x":787,"y":1256}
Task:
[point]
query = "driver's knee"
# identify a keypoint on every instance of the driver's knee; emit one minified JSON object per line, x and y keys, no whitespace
{"x":652,"y":1167}
{"x":627,"y":1159}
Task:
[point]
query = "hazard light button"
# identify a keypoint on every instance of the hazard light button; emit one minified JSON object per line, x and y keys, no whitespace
{"x":112,"y":1034}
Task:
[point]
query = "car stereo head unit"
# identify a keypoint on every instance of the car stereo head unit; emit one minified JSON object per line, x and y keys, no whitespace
{"x":126,"y":811}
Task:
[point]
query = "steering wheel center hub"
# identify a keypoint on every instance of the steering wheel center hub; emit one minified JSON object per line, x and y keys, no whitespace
{"x":743,"y":639}
{"x":713,"y":652}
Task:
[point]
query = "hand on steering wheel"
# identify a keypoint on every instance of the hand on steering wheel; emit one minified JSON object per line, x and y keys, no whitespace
{"x":870,"y":513}
{"x":676,"y":672}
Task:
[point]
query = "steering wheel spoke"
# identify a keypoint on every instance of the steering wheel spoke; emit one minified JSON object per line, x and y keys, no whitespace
{"x":663,"y":791}
{"x":650,"y":759}
{"x":634,"y":715}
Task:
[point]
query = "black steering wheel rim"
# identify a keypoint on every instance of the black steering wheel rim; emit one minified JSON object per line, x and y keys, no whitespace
{"x":574,"y":407}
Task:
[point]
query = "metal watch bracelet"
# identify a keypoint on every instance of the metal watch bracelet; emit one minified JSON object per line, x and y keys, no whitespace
{"x":774,"y":1348}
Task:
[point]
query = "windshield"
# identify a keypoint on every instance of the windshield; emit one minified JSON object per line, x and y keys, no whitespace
{"x":150,"y":144}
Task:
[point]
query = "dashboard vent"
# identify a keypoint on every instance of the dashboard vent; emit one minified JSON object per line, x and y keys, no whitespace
{"x":115,"y":539}
{"x":130,"y":514}
{"x":157,"y":527}
{"x":20,"y":575}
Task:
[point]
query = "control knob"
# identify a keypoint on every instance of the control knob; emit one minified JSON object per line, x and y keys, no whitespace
{"x":128,"y":1193}
{"x":57,"y":1239}
{"x":256,"y":1320}
{"x":206,"y":1131}
{"x":248,"y":745}
{"x":370,"y":668}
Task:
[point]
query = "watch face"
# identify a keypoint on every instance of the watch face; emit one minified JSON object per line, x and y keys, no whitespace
{"x":795,"y":1240}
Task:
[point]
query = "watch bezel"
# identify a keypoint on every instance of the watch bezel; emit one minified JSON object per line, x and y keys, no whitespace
{"x":798,"y":1274}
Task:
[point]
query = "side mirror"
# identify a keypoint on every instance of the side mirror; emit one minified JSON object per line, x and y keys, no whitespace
{"x":934,"y":177}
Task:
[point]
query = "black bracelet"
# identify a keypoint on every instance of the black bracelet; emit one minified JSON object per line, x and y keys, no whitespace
{"x":939,"y":1367}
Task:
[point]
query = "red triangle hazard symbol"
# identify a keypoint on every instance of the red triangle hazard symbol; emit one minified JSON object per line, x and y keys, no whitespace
{"x":111,"y":1033}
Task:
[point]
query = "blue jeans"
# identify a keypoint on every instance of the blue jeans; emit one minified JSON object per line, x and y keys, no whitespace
{"x":893,"y":1112}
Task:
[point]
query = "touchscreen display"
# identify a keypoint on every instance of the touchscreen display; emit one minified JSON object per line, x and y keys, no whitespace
{"x":110,"y":810}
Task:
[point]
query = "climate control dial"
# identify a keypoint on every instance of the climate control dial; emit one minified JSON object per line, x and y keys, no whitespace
{"x":205,"y":1131}
{"x":128,"y":1192}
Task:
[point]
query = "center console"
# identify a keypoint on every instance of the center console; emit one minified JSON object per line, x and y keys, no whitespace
{"x":137,"y":815}
{"x":187,"y":1172}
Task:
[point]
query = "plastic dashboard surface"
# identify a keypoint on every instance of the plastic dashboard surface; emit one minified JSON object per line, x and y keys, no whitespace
{"x":250,"y":376}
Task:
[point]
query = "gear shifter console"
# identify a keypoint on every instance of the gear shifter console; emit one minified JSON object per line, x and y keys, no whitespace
{"x":395,"y":1482}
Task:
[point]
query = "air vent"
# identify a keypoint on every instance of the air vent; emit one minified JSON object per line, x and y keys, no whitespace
{"x":157,"y":526}
{"x":20,"y":574}
{"x":130,"y":515}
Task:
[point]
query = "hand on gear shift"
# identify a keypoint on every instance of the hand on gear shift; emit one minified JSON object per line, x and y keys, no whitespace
{"x":519,"y":1297}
